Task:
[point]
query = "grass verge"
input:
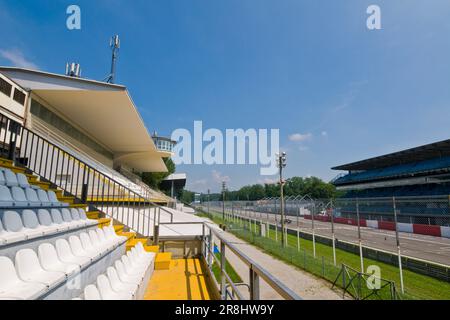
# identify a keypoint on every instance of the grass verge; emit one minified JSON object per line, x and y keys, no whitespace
{"x":417,"y":286}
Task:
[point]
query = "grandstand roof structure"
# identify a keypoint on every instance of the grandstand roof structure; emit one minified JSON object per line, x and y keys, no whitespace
{"x":426,"y":152}
{"x":100,"y":109}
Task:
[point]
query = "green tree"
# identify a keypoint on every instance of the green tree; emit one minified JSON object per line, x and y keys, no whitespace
{"x":153,"y":179}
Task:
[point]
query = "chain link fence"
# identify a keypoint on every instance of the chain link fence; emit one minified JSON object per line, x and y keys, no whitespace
{"x":406,"y":240}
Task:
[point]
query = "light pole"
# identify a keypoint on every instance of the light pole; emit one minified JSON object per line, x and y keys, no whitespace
{"x":208,"y":200}
{"x":224,"y":186}
{"x":281,"y":163}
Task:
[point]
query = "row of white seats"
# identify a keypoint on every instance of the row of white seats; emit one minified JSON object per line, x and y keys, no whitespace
{"x":33,"y":274}
{"x":28,"y":197}
{"x":125,"y":280}
{"x":16,"y":227}
{"x":10,"y":179}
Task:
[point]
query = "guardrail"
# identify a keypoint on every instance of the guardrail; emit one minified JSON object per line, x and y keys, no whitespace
{"x":209,"y":237}
{"x":77,"y":178}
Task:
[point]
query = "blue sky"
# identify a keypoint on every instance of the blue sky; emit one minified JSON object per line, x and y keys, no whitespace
{"x":310,"y":68}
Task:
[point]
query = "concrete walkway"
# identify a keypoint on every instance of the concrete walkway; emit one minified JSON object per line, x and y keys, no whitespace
{"x":307,"y":286}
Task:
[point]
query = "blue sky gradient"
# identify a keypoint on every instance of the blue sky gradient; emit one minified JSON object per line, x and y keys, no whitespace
{"x":310,"y":68}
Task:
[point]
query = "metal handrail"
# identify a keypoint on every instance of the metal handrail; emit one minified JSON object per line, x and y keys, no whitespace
{"x":39,"y":155}
{"x":256,"y":270}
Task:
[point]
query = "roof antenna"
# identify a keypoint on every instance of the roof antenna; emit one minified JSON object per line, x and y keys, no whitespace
{"x":115,"y":46}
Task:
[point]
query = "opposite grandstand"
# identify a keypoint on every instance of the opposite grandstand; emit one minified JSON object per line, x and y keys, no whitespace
{"x":419,"y":178}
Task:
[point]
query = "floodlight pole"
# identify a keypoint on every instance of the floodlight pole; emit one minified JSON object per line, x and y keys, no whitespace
{"x":223,"y":199}
{"x":398,"y":246}
{"x":332,"y":231}
{"x":282,"y":164}
{"x":208,"y":200}
{"x":359,"y":236}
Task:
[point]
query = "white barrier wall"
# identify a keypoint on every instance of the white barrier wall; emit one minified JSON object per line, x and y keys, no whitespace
{"x":445,"y":232}
{"x":405,"y":227}
{"x":372,"y":224}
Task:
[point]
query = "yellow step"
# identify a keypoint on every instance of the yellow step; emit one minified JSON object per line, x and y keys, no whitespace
{"x":118,"y":228}
{"x":154,"y":249}
{"x":69,"y":200}
{"x":163,"y":260}
{"x":103,"y":222}
{"x":59,"y":193}
{"x":129,"y":235}
{"x":41,"y":184}
{"x":31,"y":178}
{"x":78,"y":205}
{"x":132,"y":243}
{"x":93,"y":214}
{"x":15,"y":169}
{"x":4,"y":161}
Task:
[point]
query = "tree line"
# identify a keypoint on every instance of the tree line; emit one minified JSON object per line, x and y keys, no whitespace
{"x":295,"y":186}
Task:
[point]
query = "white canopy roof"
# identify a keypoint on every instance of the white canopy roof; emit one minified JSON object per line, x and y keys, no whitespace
{"x":105,"y":111}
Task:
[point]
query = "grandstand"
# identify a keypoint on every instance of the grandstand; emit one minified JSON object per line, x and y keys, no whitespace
{"x":76,"y":221}
{"x":418,"y":178}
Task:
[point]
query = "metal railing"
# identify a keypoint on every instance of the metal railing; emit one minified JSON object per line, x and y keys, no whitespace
{"x":226,"y":286}
{"x":78,"y":179}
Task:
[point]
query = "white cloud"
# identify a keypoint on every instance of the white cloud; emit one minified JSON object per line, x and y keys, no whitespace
{"x":219,"y":178}
{"x":17,"y":58}
{"x":324,"y":134}
{"x":298,"y":137}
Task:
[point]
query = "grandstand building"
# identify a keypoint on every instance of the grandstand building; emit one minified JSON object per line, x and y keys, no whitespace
{"x":76,"y":221}
{"x":418,"y":178}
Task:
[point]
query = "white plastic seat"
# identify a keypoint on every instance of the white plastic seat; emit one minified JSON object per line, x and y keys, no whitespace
{"x":30,"y":270}
{"x":83,"y":216}
{"x":91,"y":293}
{"x":2,"y":178}
{"x":76,"y":217}
{"x":45,"y":220}
{"x":14,"y":230}
{"x":98,"y":243}
{"x":78,"y":249}
{"x":11,"y":287}
{"x":146,"y":257}
{"x":10,"y":178}
{"x":118,"y":285}
{"x":106,"y":291}
{"x":22,"y":181}
{"x":2,"y":233}
{"x":31,"y":223}
{"x":53,"y":199}
{"x":93,"y":251}
{"x":66,"y":255}
{"x":43,"y":197}
{"x":50,"y":261}
{"x":6,"y":200}
{"x":9,"y":237}
{"x":111,"y":233}
{"x":141,"y":251}
{"x":67,"y":217}
{"x":113,"y":243}
{"x":58,"y":220}
{"x":124,"y":276}
{"x":20,"y":199}
{"x":32,"y":197}
{"x":130,"y":268}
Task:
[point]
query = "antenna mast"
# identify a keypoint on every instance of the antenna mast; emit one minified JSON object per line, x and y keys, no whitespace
{"x":115,"y":46}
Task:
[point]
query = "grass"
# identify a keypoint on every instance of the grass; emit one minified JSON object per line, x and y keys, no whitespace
{"x":228,"y":268}
{"x":417,"y":286}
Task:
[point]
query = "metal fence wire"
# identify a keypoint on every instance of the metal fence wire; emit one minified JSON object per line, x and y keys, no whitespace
{"x":323,"y":234}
